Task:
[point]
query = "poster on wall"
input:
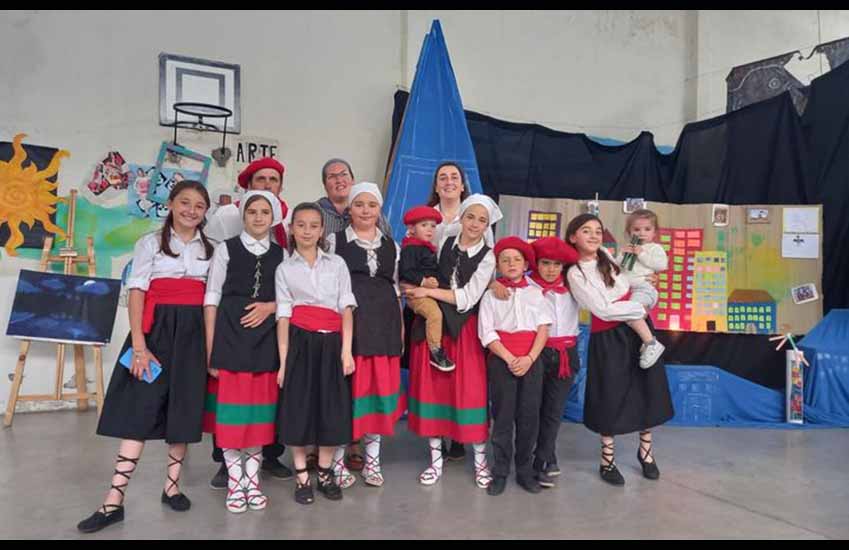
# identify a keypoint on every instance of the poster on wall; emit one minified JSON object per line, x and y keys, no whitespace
{"x":108,"y":181}
{"x":63,"y":308}
{"x":28,"y":182}
{"x":247,"y":149}
{"x":733,"y":277}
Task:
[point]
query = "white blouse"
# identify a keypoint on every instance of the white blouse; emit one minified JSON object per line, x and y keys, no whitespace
{"x":470,"y":294}
{"x":564,"y":310}
{"x":149,"y":262}
{"x":370,"y":247}
{"x":587,"y":285}
{"x":526,"y":309}
{"x":326,"y":284}
{"x":220,"y":261}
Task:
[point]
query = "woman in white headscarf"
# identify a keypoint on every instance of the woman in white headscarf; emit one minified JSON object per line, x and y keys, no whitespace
{"x":372,"y":259}
{"x":454,"y":404}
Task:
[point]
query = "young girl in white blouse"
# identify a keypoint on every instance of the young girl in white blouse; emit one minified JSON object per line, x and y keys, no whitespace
{"x":315,"y":332}
{"x":620,"y":397}
{"x":166,"y":289}
{"x":454,"y":404}
{"x":243,"y":355}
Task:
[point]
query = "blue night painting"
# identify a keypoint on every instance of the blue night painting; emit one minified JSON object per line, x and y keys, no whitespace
{"x":69,"y":308}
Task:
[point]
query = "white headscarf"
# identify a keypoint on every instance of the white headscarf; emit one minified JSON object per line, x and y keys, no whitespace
{"x":276,"y":211}
{"x":365,"y":187}
{"x":478,"y":198}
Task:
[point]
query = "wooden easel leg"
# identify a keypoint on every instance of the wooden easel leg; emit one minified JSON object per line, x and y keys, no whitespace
{"x":79,"y":369}
{"x":60,"y":370}
{"x":16,"y":383}
{"x":98,"y":373}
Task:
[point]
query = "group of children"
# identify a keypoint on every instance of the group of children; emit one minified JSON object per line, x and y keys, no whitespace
{"x":325,"y":369}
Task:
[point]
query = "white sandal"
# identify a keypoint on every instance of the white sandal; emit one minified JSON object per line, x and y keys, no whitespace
{"x":255,"y":498}
{"x":483,"y":477}
{"x":237,"y":500}
{"x":341,"y":475}
{"x":431,"y":474}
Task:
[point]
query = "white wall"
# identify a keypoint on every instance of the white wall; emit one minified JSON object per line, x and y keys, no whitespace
{"x":730,"y":38}
{"x":605,"y":73}
{"x":322,"y":83}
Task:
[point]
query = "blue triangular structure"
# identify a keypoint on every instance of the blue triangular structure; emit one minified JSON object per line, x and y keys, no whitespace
{"x":433,"y":130}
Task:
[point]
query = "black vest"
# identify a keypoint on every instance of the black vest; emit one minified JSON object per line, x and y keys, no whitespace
{"x":377,"y":318}
{"x":452,"y":320}
{"x":242,"y":269}
{"x":236,"y":348}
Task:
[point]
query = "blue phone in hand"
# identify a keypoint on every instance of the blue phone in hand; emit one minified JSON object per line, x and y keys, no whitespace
{"x":126,"y":361}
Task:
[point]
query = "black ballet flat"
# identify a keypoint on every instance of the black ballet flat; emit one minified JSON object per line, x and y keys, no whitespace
{"x":303,"y":491}
{"x":650,"y":470}
{"x":102,"y":518}
{"x":610,"y":474}
{"x":178,"y":502}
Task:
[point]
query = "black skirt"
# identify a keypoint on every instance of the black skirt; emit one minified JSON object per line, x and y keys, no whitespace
{"x":239,"y":349}
{"x":171,"y":408}
{"x":620,"y":396}
{"x":314,"y":407}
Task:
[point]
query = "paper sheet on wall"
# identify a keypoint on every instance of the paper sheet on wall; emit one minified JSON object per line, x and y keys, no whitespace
{"x":801,"y":220}
{"x":799,"y":245}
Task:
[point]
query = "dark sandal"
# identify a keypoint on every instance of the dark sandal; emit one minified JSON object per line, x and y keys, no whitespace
{"x":650,"y":470}
{"x":608,"y":471}
{"x":108,"y":514}
{"x":355,"y":462}
{"x":327,"y":485}
{"x":303,"y":491}
{"x":178,"y":502}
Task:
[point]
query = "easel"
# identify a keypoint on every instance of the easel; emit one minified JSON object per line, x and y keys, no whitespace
{"x":70,"y":257}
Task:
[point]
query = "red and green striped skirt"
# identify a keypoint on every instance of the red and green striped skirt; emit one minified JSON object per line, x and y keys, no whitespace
{"x":450,"y":404}
{"x":378,"y":400}
{"x":241,"y":408}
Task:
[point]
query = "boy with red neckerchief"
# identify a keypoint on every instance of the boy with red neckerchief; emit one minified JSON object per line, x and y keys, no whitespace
{"x":515,"y":331}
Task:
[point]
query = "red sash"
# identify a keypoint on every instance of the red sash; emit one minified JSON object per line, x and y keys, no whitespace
{"x":518,"y":343}
{"x":599,"y":325}
{"x":561,"y":344}
{"x":316,"y":318}
{"x":167,"y":290}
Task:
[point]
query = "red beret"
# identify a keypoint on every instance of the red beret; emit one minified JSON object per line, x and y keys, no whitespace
{"x":256,"y":166}
{"x":517,"y":244}
{"x":553,"y":248}
{"x":421,"y":213}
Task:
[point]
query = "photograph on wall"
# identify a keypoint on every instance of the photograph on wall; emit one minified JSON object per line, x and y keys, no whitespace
{"x":757,"y":215}
{"x":732,"y":278}
{"x":803,"y":294}
{"x":720,"y":215}
{"x":138,"y":184}
{"x":173,"y":165}
{"x":632,"y":205}
{"x":63,"y":308}
{"x":28,"y":199}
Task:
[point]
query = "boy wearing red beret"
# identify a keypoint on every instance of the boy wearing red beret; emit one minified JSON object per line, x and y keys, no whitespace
{"x":559,"y":358}
{"x":515,"y":332}
{"x":418,"y":266}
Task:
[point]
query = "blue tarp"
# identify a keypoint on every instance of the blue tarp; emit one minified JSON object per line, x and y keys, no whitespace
{"x":433,"y":130}
{"x":826,"y":382}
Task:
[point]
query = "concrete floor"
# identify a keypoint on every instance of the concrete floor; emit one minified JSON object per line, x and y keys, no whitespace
{"x":715,"y":483}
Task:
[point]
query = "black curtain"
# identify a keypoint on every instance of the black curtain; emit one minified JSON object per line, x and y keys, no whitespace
{"x":764,"y":153}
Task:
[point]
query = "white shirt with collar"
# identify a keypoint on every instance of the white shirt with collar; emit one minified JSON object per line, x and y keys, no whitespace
{"x":470,"y":294}
{"x":149,"y":262}
{"x":220,"y":261}
{"x":370,"y":247}
{"x":525,"y":310}
{"x":327,"y":283}
{"x":564,"y":311}
{"x":587,"y":285}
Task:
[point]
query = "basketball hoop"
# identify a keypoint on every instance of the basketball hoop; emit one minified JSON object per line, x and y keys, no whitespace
{"x":201,"y":111}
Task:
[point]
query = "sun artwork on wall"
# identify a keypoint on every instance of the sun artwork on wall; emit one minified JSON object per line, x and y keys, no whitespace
{"x":25,"y":194}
